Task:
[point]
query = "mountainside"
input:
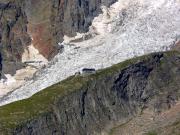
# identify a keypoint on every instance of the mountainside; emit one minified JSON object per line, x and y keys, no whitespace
{"x":127,"y":29}
{"x":41,"y":23}
{"x":13,"y":36}
{"x":59,"y":73}
{"x":96,"y":103}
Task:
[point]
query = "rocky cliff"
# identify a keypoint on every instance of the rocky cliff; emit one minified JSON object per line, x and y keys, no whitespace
{"x":94,"y":103}
{"x":13,"y":35}
{"x":43,"y":24}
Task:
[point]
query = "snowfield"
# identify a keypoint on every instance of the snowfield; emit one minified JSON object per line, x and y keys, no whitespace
{"x":127,"y":29}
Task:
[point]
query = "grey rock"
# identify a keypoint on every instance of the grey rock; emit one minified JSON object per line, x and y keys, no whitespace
{"x":113,"y":96}
{"x":60,"y":17}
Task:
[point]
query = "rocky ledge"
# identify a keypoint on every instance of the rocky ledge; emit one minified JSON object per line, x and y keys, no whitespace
{"x":95,"y":103}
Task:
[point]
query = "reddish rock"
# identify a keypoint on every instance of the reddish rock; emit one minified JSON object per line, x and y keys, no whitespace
{"x":42,"y":39}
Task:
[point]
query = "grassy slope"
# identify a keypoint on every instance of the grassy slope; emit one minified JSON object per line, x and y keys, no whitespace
{"x":19,"y":112}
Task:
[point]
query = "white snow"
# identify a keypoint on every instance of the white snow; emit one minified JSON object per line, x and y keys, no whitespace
{"x":10,"y":79}
{"x":127,"y":29}
{"x":13,"y":82}
{"x":34,"y":60}
{"x":31,"y":54}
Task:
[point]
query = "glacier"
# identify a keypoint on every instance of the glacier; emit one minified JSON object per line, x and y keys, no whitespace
{"x":127,"y":29}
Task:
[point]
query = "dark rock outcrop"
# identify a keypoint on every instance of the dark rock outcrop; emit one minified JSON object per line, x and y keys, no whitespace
{"x":75,"y":16}
{"x":13,"y":36}
{"x":110,"y":96}
{"x":44,"y":21}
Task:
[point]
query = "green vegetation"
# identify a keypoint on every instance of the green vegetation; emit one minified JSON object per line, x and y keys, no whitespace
{"x":152,"y":133}
{"x":111,"y":132}
{"x":19,"y":112}
{"x":15,"y":113}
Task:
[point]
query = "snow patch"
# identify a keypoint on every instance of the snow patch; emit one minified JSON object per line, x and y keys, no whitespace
{"x":13,"y":82}
{"x":102,"y":24}
{"x":34,"y":60}
{"x":78,"y":36}
{"x":32,"y":55}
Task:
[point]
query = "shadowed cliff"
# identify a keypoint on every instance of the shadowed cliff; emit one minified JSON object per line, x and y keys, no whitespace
{"x":94,"y":103}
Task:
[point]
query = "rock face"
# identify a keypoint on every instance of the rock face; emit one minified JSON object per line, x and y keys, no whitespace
{"x":94,"y":103}
{"x":0,"y":65}
{"x":75,"y":16}
{"x":13,"y":35}
{"x":42,"y":23}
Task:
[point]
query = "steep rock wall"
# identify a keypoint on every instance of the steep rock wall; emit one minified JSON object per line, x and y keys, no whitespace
{"x":43,"y":24}
{"x":75,"y":16}
{"x":111,"y":96}
{"x":13,"y":35}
